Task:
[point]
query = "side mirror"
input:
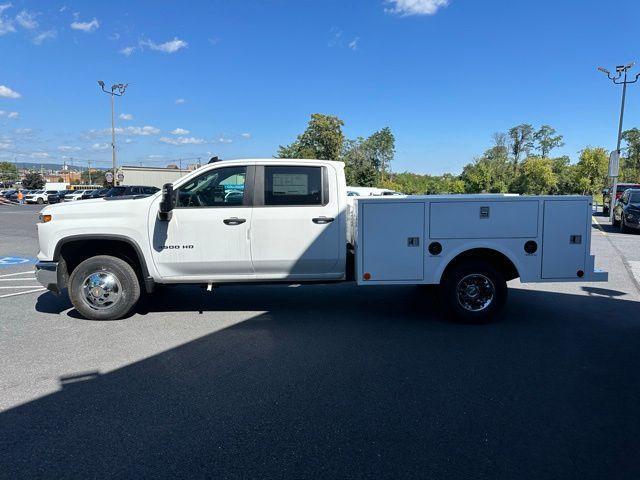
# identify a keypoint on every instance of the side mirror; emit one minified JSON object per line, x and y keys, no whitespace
{"x":167,"y":203}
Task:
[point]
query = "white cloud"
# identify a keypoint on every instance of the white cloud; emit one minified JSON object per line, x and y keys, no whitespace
{"x":6,"y":24}
{"x":179,"y":131}
{"x":4,"y":113}
{"x":127,"y":51}
{"x":6,"y":92}
{"x":125,"y":116}
{"x":183,"y":140}
{"x":245,"y":135}
{"x":67,"y":148}
{"x":46,"y":35}
{"x":180,"y":101}
{"x":142,"y":131}
{"x":100,"y":146}
{"x":171,"y":46}
{"x":224,"y":140}
{"x":27,"y":20}
{"x":86,"y":27}
{"x":40,"y":155}
{"x":23,"y":131}
{"x":5,"y":145}
{"x":353,"y":44}
{"x":415,"y":7}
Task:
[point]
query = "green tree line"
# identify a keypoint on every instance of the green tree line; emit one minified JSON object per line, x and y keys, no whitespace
{"x":518,"y":161}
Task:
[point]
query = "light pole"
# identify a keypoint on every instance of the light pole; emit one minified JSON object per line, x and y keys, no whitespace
{"x":620,"y":78}
{"x":117,"y":90}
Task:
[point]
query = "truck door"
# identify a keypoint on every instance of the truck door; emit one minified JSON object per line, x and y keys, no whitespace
{"x":207,"y":235}
{"x":295,"y":228}
{"x":566,"y":224}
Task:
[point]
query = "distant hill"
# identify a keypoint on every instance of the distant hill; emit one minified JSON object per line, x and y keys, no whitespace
{"x":52,"y":166}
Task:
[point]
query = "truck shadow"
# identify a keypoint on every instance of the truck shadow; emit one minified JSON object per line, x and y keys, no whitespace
{"x":338,"y":382}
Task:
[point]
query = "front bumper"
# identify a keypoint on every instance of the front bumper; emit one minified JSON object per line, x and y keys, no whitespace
{"x":47,"y":275}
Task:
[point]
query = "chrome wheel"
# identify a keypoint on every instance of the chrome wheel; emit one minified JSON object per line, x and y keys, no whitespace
{"x":101,"y":290}
{"x":475,"y":292}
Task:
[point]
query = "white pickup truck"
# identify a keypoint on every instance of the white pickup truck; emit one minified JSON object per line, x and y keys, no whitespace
{"x":248,"y":221}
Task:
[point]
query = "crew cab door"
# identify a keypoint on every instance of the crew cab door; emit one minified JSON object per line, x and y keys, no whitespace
{"x":296,"y":228}
{"x":207,"y":237}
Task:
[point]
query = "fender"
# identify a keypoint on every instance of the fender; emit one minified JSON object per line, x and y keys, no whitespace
{"x":472,"y":246}
{"x":148,"y":279}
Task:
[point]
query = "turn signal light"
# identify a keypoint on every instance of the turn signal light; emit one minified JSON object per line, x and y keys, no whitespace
{"x":45,"y":218}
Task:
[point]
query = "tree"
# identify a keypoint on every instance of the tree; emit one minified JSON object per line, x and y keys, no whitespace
{"x":631,"y":163}
{"x":491,"y":173}
{"x":381,"y":148}
{"x":33,"y":181}
{"x":535,"y":177}
{"x":546,"y":140}
{"x":323,"y":139}
{"x":592,"y":170}
{"x":8,"y":172}
{"x":521,"y":137}
{"x":360,"y":170}
{"x":565,"y":176}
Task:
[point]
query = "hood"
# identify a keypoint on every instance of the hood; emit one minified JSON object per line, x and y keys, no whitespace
{"x":107,"y":207}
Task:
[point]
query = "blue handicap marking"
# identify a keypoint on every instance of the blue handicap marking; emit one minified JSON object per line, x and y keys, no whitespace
{"x":10,"y":261}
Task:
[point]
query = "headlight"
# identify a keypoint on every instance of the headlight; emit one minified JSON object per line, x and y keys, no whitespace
{"x":45,"y":218}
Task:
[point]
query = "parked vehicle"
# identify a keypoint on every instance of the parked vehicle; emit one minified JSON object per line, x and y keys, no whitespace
{"x":606,"y":194}
{"x":8,"y":193}
{"x":14,"y":196}
{"x":294,"y":223}
{"x":127,"y":190}
{"x":74,"y":195}
{"x":38,"y":196}
{"x":57,"y":197}
{"x":626,"y":214}
{"x":89,"y":194}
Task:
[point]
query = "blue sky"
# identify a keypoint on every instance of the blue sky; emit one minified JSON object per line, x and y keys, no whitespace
{"x":238,"y":78}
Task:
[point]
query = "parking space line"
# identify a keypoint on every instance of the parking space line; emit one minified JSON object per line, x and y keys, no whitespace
{"x":598,"y":226}
{"x":17,"y":273}
{"x":17,"y":279}
{"x":22,"y":293}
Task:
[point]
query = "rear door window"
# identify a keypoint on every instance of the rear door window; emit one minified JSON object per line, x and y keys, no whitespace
{"x":293,"y":185}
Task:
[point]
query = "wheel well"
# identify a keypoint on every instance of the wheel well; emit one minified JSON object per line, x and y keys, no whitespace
{"x":498,"y":260}
{"x":73,"y":252}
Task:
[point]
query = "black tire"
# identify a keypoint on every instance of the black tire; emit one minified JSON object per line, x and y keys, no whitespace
{"x":40,"y":201}
{"x":623,"y":226}
{"x":99,"y":304}
{"x":486,"y":279}
{"x":605,"y":211}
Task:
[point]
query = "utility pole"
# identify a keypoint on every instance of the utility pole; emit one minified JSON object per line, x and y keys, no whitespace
{"x":89,"y":170}
{"x":620,"y":78}
{"x":117,"y":90}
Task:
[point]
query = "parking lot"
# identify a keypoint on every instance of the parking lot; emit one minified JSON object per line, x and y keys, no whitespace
{"x":321,"y":381}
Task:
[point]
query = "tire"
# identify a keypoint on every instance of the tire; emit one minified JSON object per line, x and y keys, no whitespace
{"x":108,"y":273}
{"x":605,"y":211}
{"x":40,"y":201}
{"x":623,"y":226}
{"x":471,"y":304}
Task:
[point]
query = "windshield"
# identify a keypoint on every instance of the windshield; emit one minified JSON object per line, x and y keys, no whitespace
{"x":634,"y":198}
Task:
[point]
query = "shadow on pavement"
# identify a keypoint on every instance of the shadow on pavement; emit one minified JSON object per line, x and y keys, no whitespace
{"x":345,"y":382}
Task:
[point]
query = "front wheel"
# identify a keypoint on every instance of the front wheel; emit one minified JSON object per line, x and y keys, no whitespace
{"x":104,"y":288}
{"x":40,"y":201}
{"x":475,"y":291}
{"x":623,"y":225}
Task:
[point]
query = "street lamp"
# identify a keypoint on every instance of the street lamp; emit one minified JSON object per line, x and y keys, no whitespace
{"x":620,"y":78}
{"x":117,"y":90}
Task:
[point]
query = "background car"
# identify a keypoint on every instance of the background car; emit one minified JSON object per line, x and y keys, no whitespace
{"x":58,"y":196}
{"x":74,"y":195}
{"x":626,"y":213}
{"x":122,"y":190}
{"x":37,"y":196}
{"x":98,"y":193}
{"x":606,"y":194}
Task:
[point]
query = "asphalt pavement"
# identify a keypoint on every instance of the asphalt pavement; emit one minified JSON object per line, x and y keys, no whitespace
{"x":322,"y":381}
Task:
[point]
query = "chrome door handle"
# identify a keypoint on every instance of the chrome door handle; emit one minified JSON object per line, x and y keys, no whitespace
{"x":234,"y":221}
{"x":322,"y":220}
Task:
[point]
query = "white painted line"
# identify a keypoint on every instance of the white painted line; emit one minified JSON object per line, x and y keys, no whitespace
{"x":20,"y":286}
{"x":17,"y":279}
{"x":598,"y":226}
{"x":22,"y":293}
{"x":17,"y":273}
